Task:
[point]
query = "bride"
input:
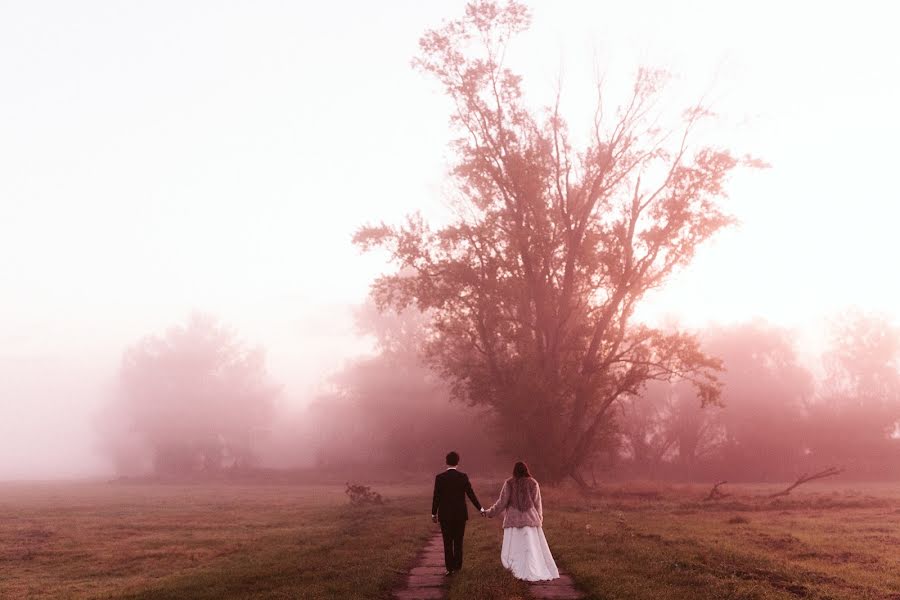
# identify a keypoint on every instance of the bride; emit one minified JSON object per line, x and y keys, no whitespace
{"x":525,"y":551}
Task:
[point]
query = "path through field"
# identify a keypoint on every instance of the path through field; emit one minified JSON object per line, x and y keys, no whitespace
{"x":426,"y":580}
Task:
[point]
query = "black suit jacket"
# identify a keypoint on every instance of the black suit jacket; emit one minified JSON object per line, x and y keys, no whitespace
{"x":449,"y":501}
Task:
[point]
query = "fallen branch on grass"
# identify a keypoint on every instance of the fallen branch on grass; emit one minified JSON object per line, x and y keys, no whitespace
{"x":715,"y":493}
{"x":829,"y":472}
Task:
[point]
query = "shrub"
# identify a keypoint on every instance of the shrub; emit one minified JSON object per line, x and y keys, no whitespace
{"x":362,"y":494}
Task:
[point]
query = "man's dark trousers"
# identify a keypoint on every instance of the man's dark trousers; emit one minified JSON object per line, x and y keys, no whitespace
{"x":453,"y":532}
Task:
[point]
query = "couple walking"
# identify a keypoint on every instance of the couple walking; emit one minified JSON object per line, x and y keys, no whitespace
{"x":525,"y":551}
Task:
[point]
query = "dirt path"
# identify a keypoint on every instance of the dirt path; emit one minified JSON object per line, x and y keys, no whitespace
{"x":426,"y":580}
{"x":558,"y":589}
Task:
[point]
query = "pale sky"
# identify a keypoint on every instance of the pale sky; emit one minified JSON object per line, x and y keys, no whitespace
{"x":163,"y":157}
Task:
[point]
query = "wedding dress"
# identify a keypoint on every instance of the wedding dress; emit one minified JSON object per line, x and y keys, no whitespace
{"x":525,"y":552}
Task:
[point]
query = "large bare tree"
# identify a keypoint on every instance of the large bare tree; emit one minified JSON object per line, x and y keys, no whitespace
{"x":532,"y":288}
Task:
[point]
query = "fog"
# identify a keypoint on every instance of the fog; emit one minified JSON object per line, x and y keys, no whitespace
{"x":160,"y":161}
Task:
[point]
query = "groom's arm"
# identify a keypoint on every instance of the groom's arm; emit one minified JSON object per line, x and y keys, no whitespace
{"x":434,"y":499}
{"x":471,"y":494}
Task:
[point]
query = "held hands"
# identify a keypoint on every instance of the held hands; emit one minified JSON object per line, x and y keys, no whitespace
{"x":483,"y":513}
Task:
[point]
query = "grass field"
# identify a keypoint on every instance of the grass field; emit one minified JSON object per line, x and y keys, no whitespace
{"x":821,"y":542}
{"x":142,"y":542}
{"x":81,"y":540}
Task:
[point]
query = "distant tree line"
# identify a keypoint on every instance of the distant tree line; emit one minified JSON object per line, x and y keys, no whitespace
{"x":389,"y":411}
{"x":776,"y":417}
{"x":196,"y":402}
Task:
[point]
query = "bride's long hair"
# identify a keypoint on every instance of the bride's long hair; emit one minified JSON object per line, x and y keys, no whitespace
{"x":520,"y":487}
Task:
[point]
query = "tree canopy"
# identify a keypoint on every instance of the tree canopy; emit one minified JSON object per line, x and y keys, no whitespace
{"x":532,"y":289}
{"x":389,"y":410}
{"x":191,"y":400}
{"x":856,"y":420}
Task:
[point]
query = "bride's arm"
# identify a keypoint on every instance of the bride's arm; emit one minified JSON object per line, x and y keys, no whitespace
{"x":501,"y":502}
{"x":537,"y":501}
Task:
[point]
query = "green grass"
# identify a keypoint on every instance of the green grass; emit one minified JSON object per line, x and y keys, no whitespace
{"x":160,"y":542}
{"x":68,"y":540}
{"x":819,"y":544}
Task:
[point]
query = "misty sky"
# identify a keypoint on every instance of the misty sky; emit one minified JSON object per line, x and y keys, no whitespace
{"x":163,"y":157}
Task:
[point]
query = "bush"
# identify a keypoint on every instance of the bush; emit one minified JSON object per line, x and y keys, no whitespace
{"x":362,"y":494}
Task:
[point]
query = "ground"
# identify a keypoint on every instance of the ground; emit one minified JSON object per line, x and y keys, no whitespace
{"x":828,"y":541}
{"x":634,"y":541}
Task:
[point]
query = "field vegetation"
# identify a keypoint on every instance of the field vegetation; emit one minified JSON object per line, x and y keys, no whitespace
{"x":211,"y":541}
{"x":632,"y":541}
{"x":825,"y":542}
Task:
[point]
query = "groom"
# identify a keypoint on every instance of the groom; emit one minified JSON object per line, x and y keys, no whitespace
{"x":448,"y":506}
